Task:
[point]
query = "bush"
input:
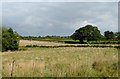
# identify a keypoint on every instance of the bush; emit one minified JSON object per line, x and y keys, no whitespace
{"x":10,"y":40}
{"x":35,"y":46}
{"x":29,"y":46}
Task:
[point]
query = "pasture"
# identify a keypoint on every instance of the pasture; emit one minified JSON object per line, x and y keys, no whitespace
{"x":60,"y":62}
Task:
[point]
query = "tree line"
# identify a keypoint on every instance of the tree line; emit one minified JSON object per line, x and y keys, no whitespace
{"x":92,"y":33}
{"x":44,"y":37}
{"x":89,"y":33}
{"x":10,"y":38}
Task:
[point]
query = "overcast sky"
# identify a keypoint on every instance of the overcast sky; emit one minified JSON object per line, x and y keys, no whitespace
{"x":58,"y":18}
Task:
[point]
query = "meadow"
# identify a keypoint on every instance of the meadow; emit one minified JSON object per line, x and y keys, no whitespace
{"x":60,"y":62}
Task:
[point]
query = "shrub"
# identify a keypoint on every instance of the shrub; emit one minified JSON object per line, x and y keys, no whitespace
{"x":29,"y":46}
{"x":35,"y":46}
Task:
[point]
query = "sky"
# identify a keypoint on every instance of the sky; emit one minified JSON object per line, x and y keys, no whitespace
{"x":59,"y":0}
{"x":58,"y":18}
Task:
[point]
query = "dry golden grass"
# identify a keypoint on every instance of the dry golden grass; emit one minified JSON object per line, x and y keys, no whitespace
{"x":46,"y":43}
{"x":62,"y":62}
{"x":39,"y":43}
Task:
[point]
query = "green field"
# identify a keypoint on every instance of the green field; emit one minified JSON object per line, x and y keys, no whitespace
{"x":69,"y":40}
{"x":90,"y":42}
{"x":61,"y":62}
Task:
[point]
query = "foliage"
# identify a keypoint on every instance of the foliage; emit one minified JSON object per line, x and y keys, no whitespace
{"x":109,"y":35}
{"x":117,"y":34}
{"x":9,"y":39}
{"x":82,"y":45}
{"x":89,"y":33}
{"x":46,"y":38}
{"x":90,"y":42}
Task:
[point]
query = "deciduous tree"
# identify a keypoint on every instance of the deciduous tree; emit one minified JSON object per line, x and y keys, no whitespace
{"x":89,"y":33}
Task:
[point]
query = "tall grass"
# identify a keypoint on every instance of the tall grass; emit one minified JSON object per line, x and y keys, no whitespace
{"x":62,"y":62}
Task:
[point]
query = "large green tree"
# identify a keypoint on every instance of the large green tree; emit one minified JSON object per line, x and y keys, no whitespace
{"x":9,"y":39}
{"x":89,"y":33}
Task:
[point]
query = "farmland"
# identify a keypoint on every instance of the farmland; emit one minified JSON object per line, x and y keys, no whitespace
{"x":65,"y":39}
{"x":60,"y":62}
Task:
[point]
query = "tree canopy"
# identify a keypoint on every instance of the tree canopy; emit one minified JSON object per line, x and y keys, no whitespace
{"x":109,"y":35}
{"x":89,"y":33}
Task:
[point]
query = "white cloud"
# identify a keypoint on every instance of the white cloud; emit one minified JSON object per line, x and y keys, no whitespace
{"x":84,"y":23}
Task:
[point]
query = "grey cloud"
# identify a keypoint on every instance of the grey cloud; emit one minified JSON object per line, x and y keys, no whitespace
{"x":55,"y":18}
{"x":60,"y":1}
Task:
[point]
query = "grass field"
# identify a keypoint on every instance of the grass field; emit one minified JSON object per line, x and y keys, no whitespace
{"x":61,"y":62}
{"x":71,"y":41}
{"x":90,"y":42}
{"x":47,"y":43}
